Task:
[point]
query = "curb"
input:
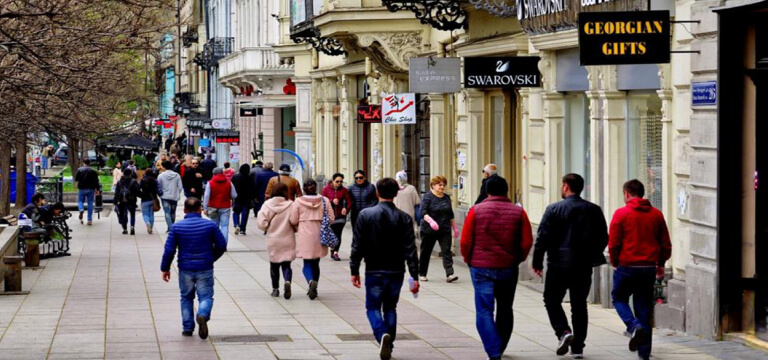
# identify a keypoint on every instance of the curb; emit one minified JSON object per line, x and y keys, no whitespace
{"x":751,"y":341}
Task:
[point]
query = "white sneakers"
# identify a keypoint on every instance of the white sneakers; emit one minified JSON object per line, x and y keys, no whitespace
{"x":451,"y":278}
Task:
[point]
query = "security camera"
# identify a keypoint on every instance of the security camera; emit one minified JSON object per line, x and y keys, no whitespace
{"x":275,"y":16}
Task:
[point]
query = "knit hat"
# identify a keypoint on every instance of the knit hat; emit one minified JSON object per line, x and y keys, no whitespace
{"x":401,"y":176}
{"x":218,"y":170}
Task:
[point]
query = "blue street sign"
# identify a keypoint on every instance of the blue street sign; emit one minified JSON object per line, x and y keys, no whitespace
{"x":204,"y":142}
{"x":704,"y":93}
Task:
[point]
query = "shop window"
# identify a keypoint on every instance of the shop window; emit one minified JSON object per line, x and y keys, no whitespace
{"x":644,"y":143}
{"x":576,"y":139}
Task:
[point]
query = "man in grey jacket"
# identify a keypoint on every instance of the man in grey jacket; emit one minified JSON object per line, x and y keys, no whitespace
{"x":170,"y":185}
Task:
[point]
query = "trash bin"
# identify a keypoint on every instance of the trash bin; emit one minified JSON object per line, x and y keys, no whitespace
{"x":31,"y":181}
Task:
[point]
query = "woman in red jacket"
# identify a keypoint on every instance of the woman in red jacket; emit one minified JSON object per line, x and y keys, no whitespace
{"x":342,"y":204}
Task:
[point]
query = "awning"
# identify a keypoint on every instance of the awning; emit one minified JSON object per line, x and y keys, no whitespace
{"x":268,"y":101}
{"x":133,"y":142}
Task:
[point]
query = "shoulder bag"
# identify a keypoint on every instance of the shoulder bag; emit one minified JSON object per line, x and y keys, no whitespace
{"x":327,"y":237}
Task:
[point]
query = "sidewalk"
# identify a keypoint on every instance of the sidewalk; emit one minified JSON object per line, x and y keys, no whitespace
{"x":107,"y":301}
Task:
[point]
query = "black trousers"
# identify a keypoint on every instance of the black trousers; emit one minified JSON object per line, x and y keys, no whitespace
{"x":428,"y":243}
{"x":578,"y":282}
{"x":338,"y":229}
{"x":274,"y":272}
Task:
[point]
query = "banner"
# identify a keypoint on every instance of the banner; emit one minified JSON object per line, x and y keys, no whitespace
{"x":626,"y":37}
{"x":435,"y":75}
{"x":501,"y":72}
{"x":399,"y":109}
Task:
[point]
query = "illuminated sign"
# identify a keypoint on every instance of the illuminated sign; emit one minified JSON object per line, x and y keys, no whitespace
{"x":369,"y":114}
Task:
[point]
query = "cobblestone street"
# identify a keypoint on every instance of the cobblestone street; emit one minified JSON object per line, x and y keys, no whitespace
{"x":107,"y":301}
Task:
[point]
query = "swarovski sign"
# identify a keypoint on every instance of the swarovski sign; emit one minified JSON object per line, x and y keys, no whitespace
{"x":527,"y":9}
{"x":485,"y":72}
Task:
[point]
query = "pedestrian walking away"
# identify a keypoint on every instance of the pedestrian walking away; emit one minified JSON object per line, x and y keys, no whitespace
{"x":275,"y":220}
{"x":192,"y":178}
{"x":218,"y":199}
{"x":437,"y":227}
{"x":284,"y":176}
{"x":88,"y":185}
{"x":573,"y":235}
{"x":363,"y":195}
{"x":260,"y":183}
{"x":200,"y":243}
{"x":150,"y":190}
{"x":407,"y":198}
{"x":383,"y":236}
{"x":256,"y":168}
{"x":170,"y":188}
{"x":496,"y":238}
{"x":639,"y":245}
{"x":117,"y":173}
{"x":342,"y":204}
{"x":126,"y":193}
{"x":229,"y":172}
{"x":489,"y":171}
{"x":132,"y":166}
{"x":307,"y":215}
{"x":243,"y":183}
{"x":206,"y":168}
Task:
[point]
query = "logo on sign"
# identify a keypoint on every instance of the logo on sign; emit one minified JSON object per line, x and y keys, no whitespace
{"x":399,"y":109}
{"x":369,"y":114}
{"x":221,"y":123}
{"x":482,"y":72}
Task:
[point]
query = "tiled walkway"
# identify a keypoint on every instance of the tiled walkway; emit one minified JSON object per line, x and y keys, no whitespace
{"x":108,"y":301}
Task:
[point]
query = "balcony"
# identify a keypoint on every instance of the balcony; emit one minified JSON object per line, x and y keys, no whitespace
{"x":253,"y":65}
{"x":213,"y":51}
{"x":185,"y":102}
{"x":190,"y":36}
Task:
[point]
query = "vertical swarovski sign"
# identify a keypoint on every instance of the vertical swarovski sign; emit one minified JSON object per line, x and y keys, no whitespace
{"x":503,"y":72}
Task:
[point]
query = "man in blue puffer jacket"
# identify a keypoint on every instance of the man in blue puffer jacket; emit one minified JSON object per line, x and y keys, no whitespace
{"x":200,"y":244}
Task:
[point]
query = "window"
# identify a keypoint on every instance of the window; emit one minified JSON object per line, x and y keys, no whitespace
{"x":577,"y":142}
{"x":644,"y":143}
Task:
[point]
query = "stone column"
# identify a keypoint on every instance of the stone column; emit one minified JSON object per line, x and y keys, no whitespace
{"x":613,"y":104}
{"x":475,"y":128}
{"x":330,"y":131}
{"x":318,"y":128}
{"x":303,"y":127}
{"x":441,"y":134}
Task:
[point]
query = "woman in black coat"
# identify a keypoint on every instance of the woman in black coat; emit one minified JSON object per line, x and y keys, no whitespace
{"x":243,"y":183}
{"x":127,"y":191}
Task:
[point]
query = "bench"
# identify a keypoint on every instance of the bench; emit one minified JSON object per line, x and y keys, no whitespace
{"x":50,"y":245}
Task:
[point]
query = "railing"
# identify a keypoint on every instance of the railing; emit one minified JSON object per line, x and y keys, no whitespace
{"x":190,"y":36}
{"x":217,"y":49}
{"x":51,"y":188}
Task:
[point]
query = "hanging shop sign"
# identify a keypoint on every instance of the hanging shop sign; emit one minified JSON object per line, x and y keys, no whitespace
{"x":504,"y":72}
{"x":370,"y":114}
{"x":251,"y":112}
{"x":228,"y":137}
{"x":435,"y":75}
{"x":399,"y":109}
{"x":627,"y":37}
{"x":204,"y":143}
{"x":547,"y":16}
{"x":704,"y":93}
{"x":221,"y":123}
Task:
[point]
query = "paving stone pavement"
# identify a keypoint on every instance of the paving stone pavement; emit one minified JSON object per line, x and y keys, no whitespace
{"x":107,"y":301}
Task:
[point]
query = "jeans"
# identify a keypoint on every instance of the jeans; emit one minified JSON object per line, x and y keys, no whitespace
{"x":148,"y":212}
{"x":221,"y":217}
{"x":240,"y":216}
{"x":123,"y":210}
{"x":311,"y":269}
{"x":382,"y":292}
{"x":189,"y":283}
{"x":169,"y":207}
{"x":274,"y":271}
{"x":578,"y":282}
{"x":82,"y":195}
{"x":494,"y":288}
{"x":428,"y":243}
{"x":636,"y":282}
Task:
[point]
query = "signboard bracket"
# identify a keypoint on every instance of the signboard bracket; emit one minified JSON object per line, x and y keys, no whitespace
{"x":685,"y":21}
{"x":685,"y":52}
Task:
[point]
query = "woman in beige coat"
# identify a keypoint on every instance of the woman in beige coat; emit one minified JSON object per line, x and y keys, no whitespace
{"x":307,"y":215}
{"x":274,"y":219}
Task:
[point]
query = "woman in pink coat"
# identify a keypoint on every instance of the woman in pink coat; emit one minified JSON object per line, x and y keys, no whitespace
{"x":274,"y":219}
{"x":307,"y":215}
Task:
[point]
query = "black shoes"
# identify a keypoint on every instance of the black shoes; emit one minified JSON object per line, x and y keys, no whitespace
{"x":335,"y":256}
{"x":133,"y":232}
{"x":275,"y":293}
{"x":638,"y":336}
{"x":564,"y":344}
{"x":202,"y":322}
{"x":125,"y":231}
{"x":312,"y":290}
{"x":287,"y":290}
{"x":385,"y":347}
{"x":186,"y":333}
{"x":81,"y":218}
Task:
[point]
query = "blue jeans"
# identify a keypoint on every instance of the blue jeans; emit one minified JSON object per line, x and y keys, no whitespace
{"x":382,"y":292}
{"x":189,"y":283}
{"x":169,"y":207}
{"x":148,"y":213}
{"x":636,"y":282}
{"x":240,"y":216}
{"x":311,"y":270}
{"x":82,"y":195}
{"x":494,"y":287}
{"x":221,"y":217}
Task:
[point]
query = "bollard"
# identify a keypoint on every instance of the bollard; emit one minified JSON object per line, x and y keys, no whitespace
{"x":12,"y":273}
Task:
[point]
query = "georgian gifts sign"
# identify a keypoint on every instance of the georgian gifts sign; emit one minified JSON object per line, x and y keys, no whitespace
{"x":399,"y":109}
{"x":621,"y":38}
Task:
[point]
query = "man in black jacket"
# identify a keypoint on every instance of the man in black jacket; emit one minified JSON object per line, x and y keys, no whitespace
{"x":574,"y":235}
{"x":87,"y":181}
{"x":489,"y":171}
{"x":193,"y":180}
{"x":384,"y":237}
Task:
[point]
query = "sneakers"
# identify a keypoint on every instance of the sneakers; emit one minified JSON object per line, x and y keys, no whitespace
{"x":423,"y":279}
{"x":335,"y":256}
{"x":125,"y":231}
{"x":385,"y":347}
{"x":81,"y":218}
{"x":149,"y":229}
{"x":275,"y":293}
{"x":89,"y":223}
{"x":451,"y":278}
{"x":242,"y":232}
{"x":287,"y":290}
{"x":237,"y":231}
{"x":186,"y":333}
{"x":637,"y":337}
{"x":133,"y":231}
{"x":312,"y":290}
{"x":202,"y":322}
{"x":577,"y":355}
{"x":564,"y":343}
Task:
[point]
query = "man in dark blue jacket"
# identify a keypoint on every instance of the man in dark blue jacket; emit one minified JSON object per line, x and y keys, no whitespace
{"x":260,"y":183}
{"x":200,"y":244}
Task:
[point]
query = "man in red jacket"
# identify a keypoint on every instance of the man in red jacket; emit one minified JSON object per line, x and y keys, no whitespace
{"x":638,"y":244}
{"x":497,"y":237}
{"x":218,"y":198}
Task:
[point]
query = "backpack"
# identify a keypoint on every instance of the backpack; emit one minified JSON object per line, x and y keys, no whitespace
{"x":124,"y":194}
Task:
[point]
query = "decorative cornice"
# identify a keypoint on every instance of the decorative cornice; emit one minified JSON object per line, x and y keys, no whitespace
{"x":390,"y":51}
{"x":556,"y":40}
{"x":500,"y":8}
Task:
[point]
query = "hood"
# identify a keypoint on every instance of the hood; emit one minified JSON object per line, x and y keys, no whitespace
{"x":219,"y":178}
{"x":638,"y":204}
{"x":168,"y":175}
{"x":310,"y":201}
{"x":278,"y":204}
